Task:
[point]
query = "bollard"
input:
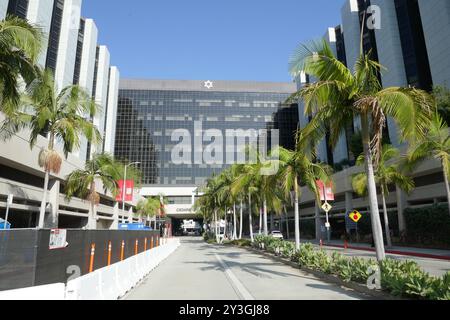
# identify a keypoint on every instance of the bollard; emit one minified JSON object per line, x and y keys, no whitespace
{"x":321,"y":243}
{"x":151,"y":243}
{"x":145,"y":244}
{"x":136,"y":247}
{"x":109,"y":253}
{"x":91,"y":262}
{"x":122,"y":250}
{"x":345,"y":244}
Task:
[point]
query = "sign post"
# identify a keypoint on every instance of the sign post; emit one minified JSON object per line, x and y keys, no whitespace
{"x":326,"y":194}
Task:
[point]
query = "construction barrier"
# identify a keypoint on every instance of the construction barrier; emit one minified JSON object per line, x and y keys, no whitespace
{"x":108,"y":283}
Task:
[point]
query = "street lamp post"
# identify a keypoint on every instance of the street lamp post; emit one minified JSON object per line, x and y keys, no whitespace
{"x":125,"y":183}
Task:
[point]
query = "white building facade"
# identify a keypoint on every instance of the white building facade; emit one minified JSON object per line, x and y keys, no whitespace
{"x":72,"y":52}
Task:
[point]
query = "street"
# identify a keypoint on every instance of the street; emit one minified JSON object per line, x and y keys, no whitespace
{"x":198,"y":271}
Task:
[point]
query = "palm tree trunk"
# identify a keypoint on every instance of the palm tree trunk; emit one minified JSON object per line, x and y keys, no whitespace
{"x":297,"y":215}
{"x":44,"y":201}
{"x":266,"y":232}
{"x":386,"y":219}
{"x":226,"y":222}
{"x":260,"y":220}
{"x":287,"y":222}
{"x":241,"y":220}
{"x":377,"y":230}
{"x":250,"y":220}
{"x":234,"y":222}
{"x":447,"y":187}
{"x":51,"y":143}
{"x":215,"y":225}
{"x":91,"y":219}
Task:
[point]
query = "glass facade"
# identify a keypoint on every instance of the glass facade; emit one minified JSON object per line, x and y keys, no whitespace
{"x":18,"y":8}
{"x":77,"y":70}
{"x":146,"y":120}
{"x":414,"y":48}
{"x":55,"y":32}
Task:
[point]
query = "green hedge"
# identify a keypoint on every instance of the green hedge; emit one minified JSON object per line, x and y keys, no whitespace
{"x":428,"y":225}
{"x":400,"y":278}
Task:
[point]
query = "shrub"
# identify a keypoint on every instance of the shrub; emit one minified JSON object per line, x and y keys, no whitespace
{"x":400,"y":278}
{"x":428,"y":225}
{"x":240,"y":243}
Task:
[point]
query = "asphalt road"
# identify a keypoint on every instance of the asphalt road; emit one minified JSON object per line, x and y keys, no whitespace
{"x":198,"y":271}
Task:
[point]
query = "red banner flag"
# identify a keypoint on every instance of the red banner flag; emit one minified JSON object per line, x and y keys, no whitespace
{"x":328,"y":191}
{"x":129,"y":190}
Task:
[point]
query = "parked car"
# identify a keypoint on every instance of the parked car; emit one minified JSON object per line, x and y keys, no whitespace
{"x":277,"y":235}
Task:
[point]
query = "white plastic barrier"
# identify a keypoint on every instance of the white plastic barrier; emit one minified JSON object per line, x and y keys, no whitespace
{"x":109,"y":283}
{"x":113,"y":282}
{"x":49,"y":292}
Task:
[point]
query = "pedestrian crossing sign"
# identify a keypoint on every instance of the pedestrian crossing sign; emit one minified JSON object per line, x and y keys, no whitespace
{"x":355,"y":216}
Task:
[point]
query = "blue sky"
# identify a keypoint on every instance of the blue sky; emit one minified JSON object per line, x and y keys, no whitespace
{"x":208,"y":39}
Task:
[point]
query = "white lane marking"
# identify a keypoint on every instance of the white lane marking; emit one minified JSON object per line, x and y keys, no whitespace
{"x":238,"y":284}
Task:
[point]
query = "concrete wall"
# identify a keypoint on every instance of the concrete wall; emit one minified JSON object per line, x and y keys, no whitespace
{"x":68,"y":43}
{"x":101,"y":92}
{"x":340,"y":152}
{"x":111,"y":115}
{"x":87,"y":69}
{"x":352,"y":34}
{"x":436,"y":26}
{"x":3,"y":8}
{"x":390,"y":55}
{"x":40,"y":14}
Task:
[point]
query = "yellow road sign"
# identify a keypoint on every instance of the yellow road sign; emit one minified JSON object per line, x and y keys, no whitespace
{"x":327,"y":207}
{"x":355,"y":216}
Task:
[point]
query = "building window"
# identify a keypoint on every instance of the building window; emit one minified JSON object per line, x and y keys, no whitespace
{"x":18,"y":8}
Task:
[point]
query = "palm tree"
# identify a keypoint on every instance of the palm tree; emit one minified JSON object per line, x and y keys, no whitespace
{"x":20,"y":46}
{"x":254,"y":176}
{"x":339,"y":95}
{"x":297,"y":167}
{"x":244,"y":186}
{"x":386,"y":174}
{"x":60,"y":116}
{"x":82,"y":183}
{"x":436,"y":145}
{"x":148,"y":208}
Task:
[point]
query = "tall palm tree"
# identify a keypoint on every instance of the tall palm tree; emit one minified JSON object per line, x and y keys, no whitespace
{"x":82,"y":183}
{"x":60,"y":115}
{"x":242,"y":188}
{"x":436,"y":145}
{"x":20,"y":46}
{"x":387,"y":173}
{"x":339,"y":95}
{"x":254,"y":176}
{"x":148,"y":208}
{"x":297,"y":168}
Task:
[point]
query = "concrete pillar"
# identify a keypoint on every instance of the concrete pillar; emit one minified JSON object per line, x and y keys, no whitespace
{"x":318,"y":224}
{"x":115,"y":224}
{"x":92,"y":219}
{"x":401,"y":206}
{"x":130,"y":215}
{"x":348,"y":202}
{"x":51,"y":219}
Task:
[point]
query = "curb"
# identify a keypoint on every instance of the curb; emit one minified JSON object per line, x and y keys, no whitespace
{"x":377,"y":294}
{"x":400,"y":253}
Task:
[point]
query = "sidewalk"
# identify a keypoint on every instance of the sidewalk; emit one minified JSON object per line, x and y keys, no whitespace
{"x":396,"y":250}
